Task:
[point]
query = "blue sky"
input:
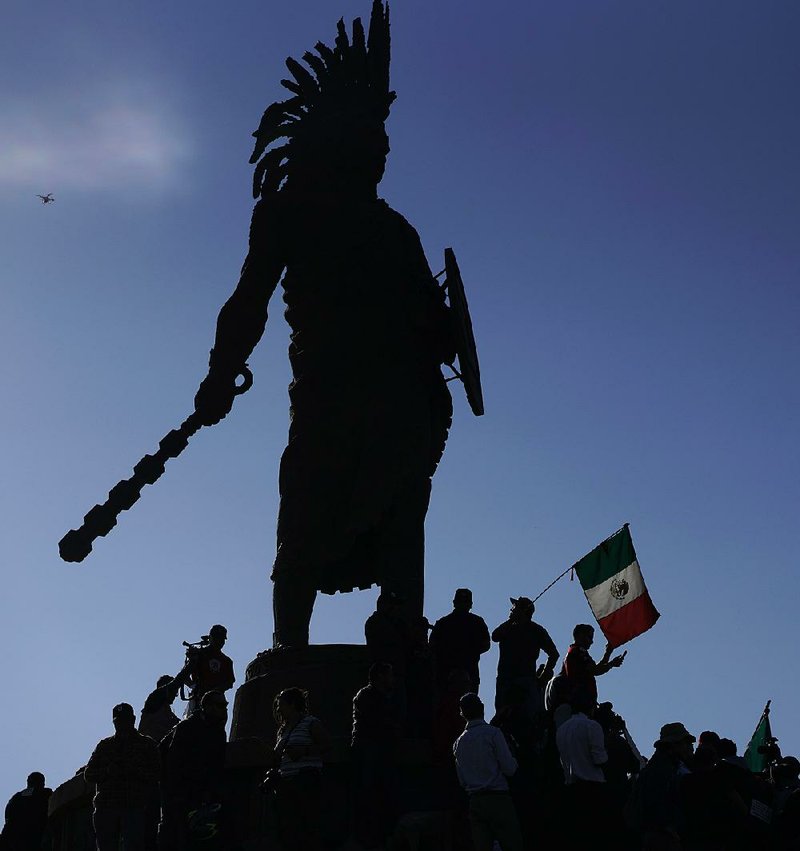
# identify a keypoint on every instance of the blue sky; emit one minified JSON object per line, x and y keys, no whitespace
{"x":620,"y":183}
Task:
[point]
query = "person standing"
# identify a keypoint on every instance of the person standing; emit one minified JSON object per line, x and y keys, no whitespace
{"x":125,"y":770}
{"x":26,"y":816}
{"x":194,"y":762}
{"x":458,"y":640}
{"x":302,"y":744}
{"x":483,"y":764}
{"x":654,"y":808}
{"x":521,"y":640}
{"x":210,"y":668}
{"x":376,"y":727}
{"x":157,"y":718}
{"x":581,"y":747}
{"x":580,"y":670}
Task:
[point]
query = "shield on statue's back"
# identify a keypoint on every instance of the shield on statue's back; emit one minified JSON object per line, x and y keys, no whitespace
{"x":469,"y":370}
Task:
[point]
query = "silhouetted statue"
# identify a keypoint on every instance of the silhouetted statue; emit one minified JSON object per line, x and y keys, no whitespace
{"x":370,"y":409}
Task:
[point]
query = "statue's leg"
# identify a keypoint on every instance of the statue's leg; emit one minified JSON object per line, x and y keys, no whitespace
{"x":402,"y":548}
{"x":292,"y":605}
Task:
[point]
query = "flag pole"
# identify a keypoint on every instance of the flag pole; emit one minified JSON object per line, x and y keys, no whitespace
{"x":572,"y":567}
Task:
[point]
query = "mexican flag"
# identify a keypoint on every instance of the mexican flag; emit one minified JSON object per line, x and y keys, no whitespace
{"x":613,"y":584}
{"x":756,"y":761}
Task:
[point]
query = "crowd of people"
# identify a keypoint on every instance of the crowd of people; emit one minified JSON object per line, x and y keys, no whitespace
{"x":554,"y":767}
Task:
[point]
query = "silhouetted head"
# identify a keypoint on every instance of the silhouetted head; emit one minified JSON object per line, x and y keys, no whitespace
{"x":215,"y":706}
{"x":522,"y":609}
{"x":164,"y":680}
{"x":289,"y":706}
{"x":332,"y":128}
{"x":676,"y":740}
{"x":708,"y":739}
{"x":217,"y":636}
{"x":608,"y":719}
{"x":583,"y":635}
{"x":705,"y":758}
{"x":582,"y":701}
{"x":726,"y":748}
{"x":124,"y":718}
{"x":462,"y":600}
{"x":789,"y":768}
{"x":381,"y":676}
{"x":471,"y":706}
{"x":388,"y":602}
{"x":36,"y":780}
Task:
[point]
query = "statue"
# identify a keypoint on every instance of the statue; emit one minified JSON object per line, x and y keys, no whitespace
{"x":370,"y":408}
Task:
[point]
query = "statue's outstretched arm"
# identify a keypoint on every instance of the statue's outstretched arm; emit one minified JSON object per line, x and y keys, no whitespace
{"x":241,"y":322}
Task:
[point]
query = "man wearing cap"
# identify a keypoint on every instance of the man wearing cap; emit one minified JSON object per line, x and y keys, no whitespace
{"x":484,"y":763}
{"x":521,"y":639}
{"x":125,"y":770}
{"x":654,"y":807}
{"x":458,"y":640}
{"x":211,"y":669}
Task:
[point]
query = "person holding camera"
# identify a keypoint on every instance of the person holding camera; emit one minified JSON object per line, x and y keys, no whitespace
{"x":209,"y":668}
{"x":124,"y":768}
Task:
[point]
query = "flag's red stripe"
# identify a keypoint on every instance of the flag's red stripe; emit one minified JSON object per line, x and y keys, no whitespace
{"x":629,"y":621}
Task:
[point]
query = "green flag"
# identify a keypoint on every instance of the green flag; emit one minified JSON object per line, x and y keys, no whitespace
{"x":756,"y":761}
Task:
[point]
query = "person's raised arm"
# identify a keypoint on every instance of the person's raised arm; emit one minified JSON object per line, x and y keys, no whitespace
{"x":607,"y":663}
{"x":243,"y":317}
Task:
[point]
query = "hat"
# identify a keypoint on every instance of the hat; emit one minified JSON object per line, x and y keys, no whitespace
{"x":672,"y":733}
{"x":218,"y":627}
{"x":122,"y":709}
{"x":522,"y":602}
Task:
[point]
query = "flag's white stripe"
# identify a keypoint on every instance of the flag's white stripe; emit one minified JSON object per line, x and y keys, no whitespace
{"x":607,"y":598}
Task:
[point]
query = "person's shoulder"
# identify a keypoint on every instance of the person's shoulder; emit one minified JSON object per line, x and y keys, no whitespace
{"x":107,"y":742}
{"x":145,"y":741}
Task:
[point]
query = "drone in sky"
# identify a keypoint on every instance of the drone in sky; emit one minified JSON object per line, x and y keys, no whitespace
{"x":47,"y":199}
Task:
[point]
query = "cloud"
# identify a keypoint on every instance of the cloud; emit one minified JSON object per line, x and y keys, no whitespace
{"x":112,"y":138}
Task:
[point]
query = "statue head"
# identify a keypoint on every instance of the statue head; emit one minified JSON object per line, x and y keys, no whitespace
{"x":334,"y":123}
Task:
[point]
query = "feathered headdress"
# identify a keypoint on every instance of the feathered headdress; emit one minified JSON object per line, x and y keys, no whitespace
{"x":344,"y":87}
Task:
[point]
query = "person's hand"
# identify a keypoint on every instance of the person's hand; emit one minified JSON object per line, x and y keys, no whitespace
{"x":618,"y":660}
{"x":214,"y":398}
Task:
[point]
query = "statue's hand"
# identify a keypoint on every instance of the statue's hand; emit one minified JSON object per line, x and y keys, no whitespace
{"x":214,"y":398}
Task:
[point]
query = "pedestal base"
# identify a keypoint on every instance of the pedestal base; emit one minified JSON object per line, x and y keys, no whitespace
{"x":331,"y":673}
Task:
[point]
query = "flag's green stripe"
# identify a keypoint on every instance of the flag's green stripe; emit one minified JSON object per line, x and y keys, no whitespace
{"x":758,"y":761}
{"x":605,"y":560}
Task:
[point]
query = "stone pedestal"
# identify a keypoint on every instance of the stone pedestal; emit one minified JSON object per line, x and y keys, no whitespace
{"x":331,"y":673}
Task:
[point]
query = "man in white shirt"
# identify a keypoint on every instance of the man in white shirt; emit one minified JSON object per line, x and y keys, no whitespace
{"x":483,"y":762}
{"x":581,"y":746}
